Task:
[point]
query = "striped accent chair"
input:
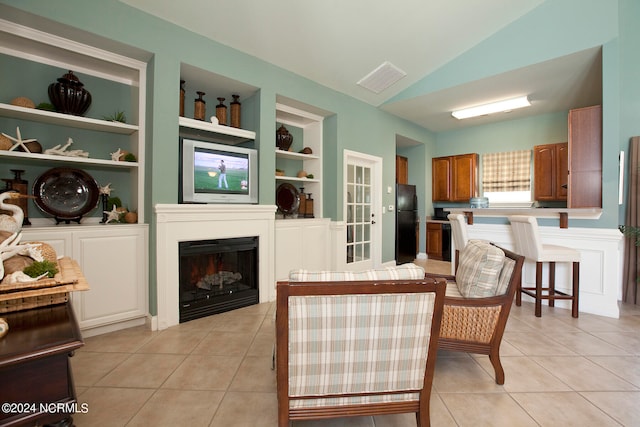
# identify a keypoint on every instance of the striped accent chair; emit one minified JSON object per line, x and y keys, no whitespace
{"x":478,"y":301}
{"x":353,"y":348}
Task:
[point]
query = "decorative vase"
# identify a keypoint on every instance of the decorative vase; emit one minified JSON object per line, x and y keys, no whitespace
{"x":302,"y":208}
{"x":283,"y":138}
{"x":182,"y":92}
{"x":69,"y":96}
{"x":235,"y":111}
{"x":221,"y":112}
{"x":308,"y":213}
{"x":200,"y":107}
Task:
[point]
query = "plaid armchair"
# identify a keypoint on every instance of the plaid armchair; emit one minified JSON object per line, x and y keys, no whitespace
{"x":352,"y":348}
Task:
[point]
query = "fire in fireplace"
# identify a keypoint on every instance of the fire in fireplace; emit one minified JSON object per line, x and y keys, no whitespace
{"x":217,"y":275}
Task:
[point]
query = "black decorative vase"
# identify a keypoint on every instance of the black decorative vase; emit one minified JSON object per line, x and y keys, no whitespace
{"x":69,"y":96}
{"x":283,"y":138}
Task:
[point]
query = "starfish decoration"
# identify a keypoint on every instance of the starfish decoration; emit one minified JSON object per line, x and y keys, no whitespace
{"x":106,"y":189}
{"x":115,"y":156}
{"x":19,"y":142}
{"x":112,"y":215}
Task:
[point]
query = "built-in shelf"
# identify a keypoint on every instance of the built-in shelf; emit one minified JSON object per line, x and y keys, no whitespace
{"x":66,"y":159}
{"x":294,"y":178}
{"x":227,"y":134}
{"x":67,"y":120}
{"x":295,"y":156}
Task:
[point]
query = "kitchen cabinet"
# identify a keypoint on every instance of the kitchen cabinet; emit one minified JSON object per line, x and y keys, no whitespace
{"x":402,"y":170}
{"x":434,"y":240}
{"x":455,"y":178}
{"x":585,"y":158}
{"x":550,"y":172}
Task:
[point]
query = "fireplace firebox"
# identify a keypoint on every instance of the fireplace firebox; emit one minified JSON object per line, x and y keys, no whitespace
{"x":217,"y":275}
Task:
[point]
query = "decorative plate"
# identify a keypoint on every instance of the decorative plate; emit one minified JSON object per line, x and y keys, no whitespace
{"x":66,"y":193}
{"x":287,"y":198}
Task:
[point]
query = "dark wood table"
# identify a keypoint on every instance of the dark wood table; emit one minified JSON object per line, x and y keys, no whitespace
{"x":36,"y":384}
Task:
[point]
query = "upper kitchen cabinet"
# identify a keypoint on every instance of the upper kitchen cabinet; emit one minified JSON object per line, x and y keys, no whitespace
{"x":550,"y":172}
{"x":455,"y":178}
{"x":32,"y":60}
{"x":585,"y":158}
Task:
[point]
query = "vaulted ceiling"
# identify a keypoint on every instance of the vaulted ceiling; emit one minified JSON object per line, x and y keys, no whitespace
{"x":337,"y":43}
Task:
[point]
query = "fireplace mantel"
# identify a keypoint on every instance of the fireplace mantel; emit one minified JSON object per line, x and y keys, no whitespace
{"x":179,"y":223}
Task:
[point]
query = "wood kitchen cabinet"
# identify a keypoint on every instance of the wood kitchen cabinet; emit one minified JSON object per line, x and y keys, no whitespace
{"x":585,"y":158}
{"x":550,"y":172}
{"x":434,"y":240}
{"x":454,"y":178}
{"x":402,"y":170}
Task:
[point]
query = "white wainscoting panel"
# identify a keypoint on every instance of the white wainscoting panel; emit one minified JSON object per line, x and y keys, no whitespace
{"x":601,"y":257}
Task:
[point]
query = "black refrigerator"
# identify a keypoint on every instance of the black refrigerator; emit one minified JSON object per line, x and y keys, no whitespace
{"x":406,"y":223}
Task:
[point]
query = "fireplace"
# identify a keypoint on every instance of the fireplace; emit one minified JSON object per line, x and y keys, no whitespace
{"x":217,"y":275}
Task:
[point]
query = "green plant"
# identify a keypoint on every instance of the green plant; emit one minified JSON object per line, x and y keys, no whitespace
{"x":46,"y":106}
{"x":631,"y":232}
{"x":38,"y":268}
{"x":118,"y":116}
{"x":129,"y":157}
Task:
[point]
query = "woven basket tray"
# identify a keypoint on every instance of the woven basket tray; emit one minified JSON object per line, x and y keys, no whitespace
{"x":22,"y":296}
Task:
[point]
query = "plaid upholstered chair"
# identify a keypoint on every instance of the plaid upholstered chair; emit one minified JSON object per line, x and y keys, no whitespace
{"x":478,"y":301}
{"x":353,"y":348}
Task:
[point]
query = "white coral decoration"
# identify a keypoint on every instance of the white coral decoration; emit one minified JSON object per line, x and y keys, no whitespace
{"x":21,"y":277}
{"x":115,"y":156}
{"x":10,"y":247}
{"x":62,"y":150}
{"x":32,"y":250}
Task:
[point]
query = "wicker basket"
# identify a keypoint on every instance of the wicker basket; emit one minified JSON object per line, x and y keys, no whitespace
{"x":44,"y":292}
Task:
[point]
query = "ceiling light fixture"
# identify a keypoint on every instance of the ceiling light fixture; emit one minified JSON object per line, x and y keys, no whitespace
{"x":494,"y":107}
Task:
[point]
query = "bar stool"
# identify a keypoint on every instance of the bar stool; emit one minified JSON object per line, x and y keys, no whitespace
{"x":527,"y":243}
{"x":459,"y":234}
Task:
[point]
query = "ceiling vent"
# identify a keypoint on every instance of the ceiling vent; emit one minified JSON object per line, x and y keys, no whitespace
{"x":382,"y":77}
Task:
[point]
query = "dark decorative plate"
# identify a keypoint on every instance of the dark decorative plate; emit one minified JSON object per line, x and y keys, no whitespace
{"x":287,"y":198}
{"x":66,"y":193}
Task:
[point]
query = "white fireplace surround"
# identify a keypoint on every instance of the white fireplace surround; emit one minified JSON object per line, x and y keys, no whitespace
{"x":181,"y":223}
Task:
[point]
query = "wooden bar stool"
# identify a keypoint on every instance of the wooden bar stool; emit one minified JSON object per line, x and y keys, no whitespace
{"x":528,"y":243}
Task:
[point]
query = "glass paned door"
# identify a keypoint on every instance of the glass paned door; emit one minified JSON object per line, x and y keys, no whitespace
{"x":360,"y":215}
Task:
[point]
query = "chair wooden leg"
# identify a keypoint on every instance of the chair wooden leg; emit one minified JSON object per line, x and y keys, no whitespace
{"x":576,"y":289}
{"x":519,"y":293}
{"x":497,"y":367}
{"x":552,"y":283}
{"x":538,"y":289}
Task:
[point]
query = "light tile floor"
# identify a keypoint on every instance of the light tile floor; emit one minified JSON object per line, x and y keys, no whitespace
{"x":217,"y":372}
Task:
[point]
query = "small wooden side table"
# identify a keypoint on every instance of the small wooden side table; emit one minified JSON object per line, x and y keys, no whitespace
{"x":36,"y":384}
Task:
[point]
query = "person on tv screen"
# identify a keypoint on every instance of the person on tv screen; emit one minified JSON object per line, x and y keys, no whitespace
{"x":223,"y":175}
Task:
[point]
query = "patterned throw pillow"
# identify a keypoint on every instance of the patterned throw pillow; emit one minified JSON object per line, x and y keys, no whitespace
{"x":479,"y":269}
{"x":407,"y":271}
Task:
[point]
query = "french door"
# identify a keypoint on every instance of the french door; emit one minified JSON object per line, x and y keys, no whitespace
{"x":362,"y":205}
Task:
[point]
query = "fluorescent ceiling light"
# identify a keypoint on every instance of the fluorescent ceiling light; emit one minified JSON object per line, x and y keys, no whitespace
{"x":494,"y":107}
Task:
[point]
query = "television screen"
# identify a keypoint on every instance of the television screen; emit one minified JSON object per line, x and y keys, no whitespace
{"x":220,"y":172}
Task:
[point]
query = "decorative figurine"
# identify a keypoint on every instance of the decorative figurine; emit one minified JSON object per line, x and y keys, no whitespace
{"x":19,"y":142}
{"x":11,"y":223}
{"x":61,"y":150}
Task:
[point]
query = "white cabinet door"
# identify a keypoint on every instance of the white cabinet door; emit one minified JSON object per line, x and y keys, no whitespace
{"x":114,"y":260}
{"x":115,"y":266}
{"x":302,"y":243}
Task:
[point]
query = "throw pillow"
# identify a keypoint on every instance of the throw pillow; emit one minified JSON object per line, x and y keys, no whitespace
{"x":479,"y":269}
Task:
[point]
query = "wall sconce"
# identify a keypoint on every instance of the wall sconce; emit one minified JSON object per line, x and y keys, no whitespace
{"x":494,"y":107}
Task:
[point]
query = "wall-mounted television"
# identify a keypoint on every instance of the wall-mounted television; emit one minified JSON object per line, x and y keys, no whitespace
{"x":217,"y":173}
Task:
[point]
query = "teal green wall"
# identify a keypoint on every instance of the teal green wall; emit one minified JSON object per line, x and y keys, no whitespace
{"x":560,"y":27}
{"x":355,"y":125}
